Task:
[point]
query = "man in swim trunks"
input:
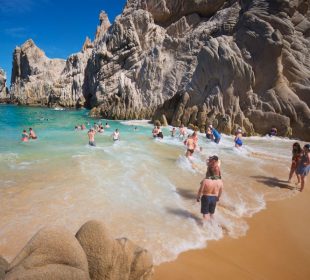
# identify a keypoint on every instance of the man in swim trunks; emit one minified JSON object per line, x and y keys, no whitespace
{"x":191,"y":146}
{"x":32,"y":134}
{"x":91,"y":136}
{"x":209,"y":193}
{"x":238,"y":138}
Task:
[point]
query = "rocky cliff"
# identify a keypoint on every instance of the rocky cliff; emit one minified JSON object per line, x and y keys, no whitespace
{"x":4,"y":93}
{"x":230,"y":63}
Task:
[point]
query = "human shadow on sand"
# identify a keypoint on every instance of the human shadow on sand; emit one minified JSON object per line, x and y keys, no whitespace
{"x":187,"y":194}
{"x":185,"y":214}
{"x":274,"y":182}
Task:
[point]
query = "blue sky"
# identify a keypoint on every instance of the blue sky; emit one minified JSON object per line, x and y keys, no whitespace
{"x":58,"y":27}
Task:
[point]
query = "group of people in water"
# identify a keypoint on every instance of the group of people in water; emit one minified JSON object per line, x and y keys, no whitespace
{"x":27,"y":136}
{"x":98,"y":128}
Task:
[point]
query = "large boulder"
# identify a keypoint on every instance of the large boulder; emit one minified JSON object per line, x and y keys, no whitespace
{"x":4,"y":265}
{"x":53,"y":253}
{"x":113,"y":259}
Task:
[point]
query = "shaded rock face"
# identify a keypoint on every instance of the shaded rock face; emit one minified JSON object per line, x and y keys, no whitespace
{"x":230,"y":63}
{"x":54,"y":253}
{"x":4,"y":93}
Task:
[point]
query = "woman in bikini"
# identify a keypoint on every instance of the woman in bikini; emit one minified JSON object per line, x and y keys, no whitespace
{"x":296,"y":155}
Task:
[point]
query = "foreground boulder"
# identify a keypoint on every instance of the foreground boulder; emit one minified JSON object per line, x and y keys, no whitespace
{"x":110,"y":259}
{"x":53,"y":253}
{"x":3,"y":267}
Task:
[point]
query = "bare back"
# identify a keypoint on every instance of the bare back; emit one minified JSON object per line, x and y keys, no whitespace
{"x":211,"y":187}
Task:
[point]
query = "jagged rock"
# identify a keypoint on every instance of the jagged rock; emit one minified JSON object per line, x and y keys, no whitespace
{"x":113,"y":259}
{"x":231,"y":63}
{"x":3,"y":267}
{"x":53,"y":253}
{"x":4,"y":93}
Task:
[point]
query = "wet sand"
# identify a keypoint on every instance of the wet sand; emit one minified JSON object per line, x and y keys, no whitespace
{"x":276,"y":246}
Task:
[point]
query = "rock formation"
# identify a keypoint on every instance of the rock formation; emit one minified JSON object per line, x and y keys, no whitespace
{"x":226,"y":62}
{"x":54,"y":253}
{"x":113,"y":259}
{"x":4,"y":93}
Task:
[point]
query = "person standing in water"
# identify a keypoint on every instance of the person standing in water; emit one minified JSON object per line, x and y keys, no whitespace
{"x":91,"y":136}
{"x":213,"y":168}
{"x":303,"y":167}
{"x":116,"y":135}
{"x":209,"y":134}
{"x":238,"y":138}
{"x":216,"y":134}
{"x":182,"y":131}
{"x":173,"y":131}
{"x":25,"y":136}
{"x":209,"y":194}
{"x":32,"y":134}
{"x":296,"y":155}
{"x":191,"y":146}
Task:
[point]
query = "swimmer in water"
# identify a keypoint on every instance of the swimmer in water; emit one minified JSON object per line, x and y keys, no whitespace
{"x":238,"y":138}
{"x":191,"y":146}
{"x":25,"y":136}
{"x":116,"y":135}
{"x":32,"y":134}
{"x":173,"y":131}
{"x":91,"y":136}
{"x":107,"y":125}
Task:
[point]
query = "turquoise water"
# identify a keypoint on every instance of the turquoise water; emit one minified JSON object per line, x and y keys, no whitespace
{"x":142,"y":188}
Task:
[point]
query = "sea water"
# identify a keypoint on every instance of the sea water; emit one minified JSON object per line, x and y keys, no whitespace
{"x":141,"y":188}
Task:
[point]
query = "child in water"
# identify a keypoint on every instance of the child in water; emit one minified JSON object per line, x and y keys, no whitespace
{"x":25,"y":136}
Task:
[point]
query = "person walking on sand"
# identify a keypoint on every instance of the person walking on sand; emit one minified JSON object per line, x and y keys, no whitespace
{"x":191,"y":146}
{"x":303,"y":167}
{"x":209,"y":194}
{"x":116,"y":135}
{"x":91,"y":136}
{"x":25,"y":136}
{"x":296,"y":155}
{"x":238,"y":138}
{"x":32,"y":134}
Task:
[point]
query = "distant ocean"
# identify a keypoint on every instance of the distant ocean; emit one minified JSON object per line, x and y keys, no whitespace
{"x":141,"y":188}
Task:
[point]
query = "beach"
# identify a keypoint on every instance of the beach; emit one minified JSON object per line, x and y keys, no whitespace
{"x":145,"y":189}
{"x":276,"y":246}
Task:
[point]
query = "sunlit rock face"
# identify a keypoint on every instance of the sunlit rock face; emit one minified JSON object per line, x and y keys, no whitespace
{"x":4,"y":94}
{"x":229,"y":63}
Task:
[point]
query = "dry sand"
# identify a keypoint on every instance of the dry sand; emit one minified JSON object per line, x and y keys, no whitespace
{"x":277,"y":246}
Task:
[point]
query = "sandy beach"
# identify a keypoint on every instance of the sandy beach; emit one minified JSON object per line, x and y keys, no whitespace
{"x":276,"y":246}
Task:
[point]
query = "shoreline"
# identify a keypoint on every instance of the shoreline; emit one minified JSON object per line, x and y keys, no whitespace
{"x":276,"y":246}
